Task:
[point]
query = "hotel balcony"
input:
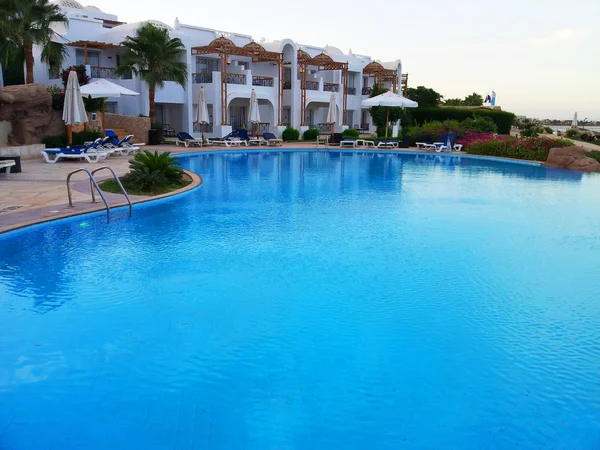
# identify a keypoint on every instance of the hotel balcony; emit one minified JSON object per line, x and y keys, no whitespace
{"x":331,"y":87}
{"x":102,"y":72}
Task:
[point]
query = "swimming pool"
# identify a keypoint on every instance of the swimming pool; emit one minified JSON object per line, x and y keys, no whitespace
{"x":312,"y":301}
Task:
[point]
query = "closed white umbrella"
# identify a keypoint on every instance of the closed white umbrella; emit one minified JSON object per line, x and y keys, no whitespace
{"x":74,"y":109}
{"x":202,"y":110}
{"x":102,"y":89}
{"x":331,"y":113}
{"x":391,"y":100}
{"x":574,"y":123}
{"x":254,"y":113}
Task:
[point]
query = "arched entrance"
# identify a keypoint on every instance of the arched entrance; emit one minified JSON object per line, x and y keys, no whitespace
{"x":239,"y":109}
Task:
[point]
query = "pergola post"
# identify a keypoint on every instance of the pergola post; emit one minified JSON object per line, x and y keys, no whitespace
{"x":280,"y":93}
{"x":303,"y":95}
{"x":345,"y":96}
{"x":85,"y":54}
{"x":224,"y":115}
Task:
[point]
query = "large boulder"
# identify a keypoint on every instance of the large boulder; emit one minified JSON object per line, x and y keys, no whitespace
{"x":28,"y":108}
{"x":573,"y":158}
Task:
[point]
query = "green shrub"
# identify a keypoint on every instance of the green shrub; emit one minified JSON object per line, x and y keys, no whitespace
{"x":573,"y":133}
{"x":529,"y":148}
{"x":548,"y":130}
{"x":154,"y":170}
{"x":594,"y":154}
{"x":502,"y":119}
{"x":55,"y":141}
{"x":85,"y":136}
{"x":311,"y":134}
{"x":529,"y":132}
{"x":481,"y":124}
{"x":290,"y":134}
{"x":350,"y":133}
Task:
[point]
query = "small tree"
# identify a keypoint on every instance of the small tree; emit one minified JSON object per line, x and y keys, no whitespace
{"x":425,"y":97}
{"x":453,"y":102}
{"x":473,"y":100}
{"x":154,"y":57}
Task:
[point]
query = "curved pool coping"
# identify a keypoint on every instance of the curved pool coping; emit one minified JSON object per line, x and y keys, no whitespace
{"x":100,"y":210}
{"x":197,"y":181}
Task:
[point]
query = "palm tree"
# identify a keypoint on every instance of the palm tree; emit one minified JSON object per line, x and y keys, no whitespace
{"x":25,"y":23}
{"x":154,"y":57}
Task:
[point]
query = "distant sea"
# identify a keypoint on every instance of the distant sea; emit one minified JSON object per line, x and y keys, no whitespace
{"x":566,"y":127}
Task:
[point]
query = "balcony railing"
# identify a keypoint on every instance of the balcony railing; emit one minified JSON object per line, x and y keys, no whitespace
{"x":263,"y":127}
{"x":287,"y":85}
{"x":102,"y":72}
{"x":202,"y":77}
{"x":208,"y":128}
{"x":331,"y":87}
{"x":351,"y":91}
{"x":236,"y":78}
{"x":311,"y":85}
{"x":262,"y":81}
{"x":366,"y":91}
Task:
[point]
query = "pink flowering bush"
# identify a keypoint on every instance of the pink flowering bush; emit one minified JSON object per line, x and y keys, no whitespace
{"x":529,"y":148}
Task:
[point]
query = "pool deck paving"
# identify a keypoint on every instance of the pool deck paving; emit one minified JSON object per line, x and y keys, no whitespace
{"x":39,"y":193}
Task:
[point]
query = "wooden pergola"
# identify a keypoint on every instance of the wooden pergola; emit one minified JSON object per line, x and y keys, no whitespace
{"x":323,"y":62}
{"x":381,"y":74}
{"x":93,"y":45}
{"x":224,"y":48}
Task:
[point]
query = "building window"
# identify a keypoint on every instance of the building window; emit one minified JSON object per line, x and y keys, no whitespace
{"x":206,"y":64}
{"x":352,"y":79}
{"x":93,"y":58}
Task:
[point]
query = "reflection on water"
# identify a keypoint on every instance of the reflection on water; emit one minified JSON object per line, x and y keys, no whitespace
{"x":312,"y":300}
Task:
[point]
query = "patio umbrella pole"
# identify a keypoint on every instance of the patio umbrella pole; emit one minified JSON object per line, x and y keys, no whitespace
{"x":103,"y":116}
{"x":202,"y":132}
{"x":69,"y":135}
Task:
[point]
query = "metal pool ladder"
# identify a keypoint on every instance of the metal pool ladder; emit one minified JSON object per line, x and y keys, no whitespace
{"x":94,"y":184}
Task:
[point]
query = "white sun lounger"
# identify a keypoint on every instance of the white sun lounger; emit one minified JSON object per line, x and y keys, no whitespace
{"x":7,"y":164}
{"x":52,"y":155}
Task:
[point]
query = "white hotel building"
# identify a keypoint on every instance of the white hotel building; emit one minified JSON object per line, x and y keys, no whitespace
{"x":293,"y":82}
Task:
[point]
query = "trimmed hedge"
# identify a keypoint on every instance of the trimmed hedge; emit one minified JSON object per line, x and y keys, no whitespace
{"x":78,"y":139}
{"x":290,"y":134}
{"x":350,"y":133}
{"x":311,"y":134}
{"x":502,"y":119}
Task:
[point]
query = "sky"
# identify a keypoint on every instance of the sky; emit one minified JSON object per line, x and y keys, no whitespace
{"x":542,"y":58}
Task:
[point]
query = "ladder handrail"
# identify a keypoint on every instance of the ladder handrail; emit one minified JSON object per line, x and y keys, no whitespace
{"x":92,"y":183}
{"x":118,"y":182}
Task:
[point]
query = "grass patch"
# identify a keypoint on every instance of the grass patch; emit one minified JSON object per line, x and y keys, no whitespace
{"x":593,"y":154}
{"x":111,"y":185}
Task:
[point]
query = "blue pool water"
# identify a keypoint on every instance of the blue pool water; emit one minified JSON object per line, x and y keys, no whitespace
{"x":312,"y":301}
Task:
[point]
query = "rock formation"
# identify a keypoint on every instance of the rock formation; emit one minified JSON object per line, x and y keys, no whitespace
{"x":573,"y":158}
{"x":28,"y":107}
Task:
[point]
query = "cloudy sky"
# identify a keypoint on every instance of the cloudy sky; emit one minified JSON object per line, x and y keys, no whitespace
{"x":541,"y":57}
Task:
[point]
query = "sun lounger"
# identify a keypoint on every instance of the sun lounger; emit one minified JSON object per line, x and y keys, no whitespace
{"x":7,"y":164}
{"x":187,"y":140}
{"x":272,"y":139}
{"x":447,"y":142}
{"x":52,"y":155}
{"x":348,"y":142}
{"x":229,"y":140}
{"x":385,"y":144}
{"x":363,"y":143}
